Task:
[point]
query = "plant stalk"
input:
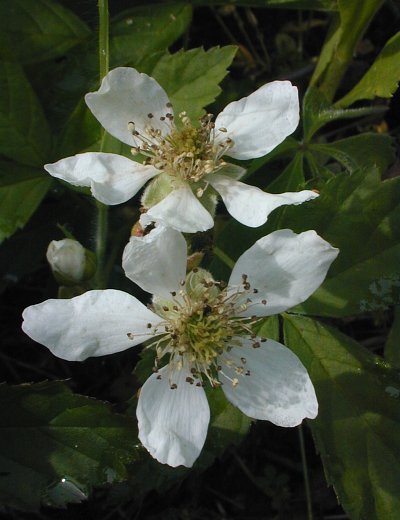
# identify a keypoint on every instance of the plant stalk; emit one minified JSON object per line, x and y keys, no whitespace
{"x":102,"y":209}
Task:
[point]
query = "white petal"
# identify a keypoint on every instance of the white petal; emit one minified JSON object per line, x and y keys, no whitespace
{"x":125,"y":96}
{"x":173,"y":423}
{"x":112,"y":178}
{"x":250,"y":205}
{"x":285,"y":268}
{"x":278,"y":388}
{"x":182,"y":210}
{"x":95,"y":323}
{"x":157,"y":261}
{"x":261,"y":121}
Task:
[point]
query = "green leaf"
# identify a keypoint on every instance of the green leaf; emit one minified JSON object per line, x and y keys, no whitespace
{"x":382,"y":78}
{"x":366,"y":150}
{"x":318,"y":112}
{"x":360,"y":215}
{"x":141,"y":33}
{"x":21,"y":191}
{"x":144,"y":30}
{"x":269,"y":328}
{"x":24,"y":133}
{"x":392,"y":346}
{"x":191,"y":78}
{"x":80,"y":132}
{"x":39,"y":30}
{"x":48,"y":434}
{"x":357,"y":430}
{"x":288,"y":148}
{"x":341,"y":42}
{"x":291,"y":178}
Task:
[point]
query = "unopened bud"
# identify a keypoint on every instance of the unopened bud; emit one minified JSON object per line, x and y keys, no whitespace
{"x":70,"y":261}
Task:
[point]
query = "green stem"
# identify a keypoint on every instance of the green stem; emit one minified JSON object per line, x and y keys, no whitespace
{"x":104,"y":52}
{"x":102,"y":209}
{"x":224,"y":257}
{"x":305,"y":473}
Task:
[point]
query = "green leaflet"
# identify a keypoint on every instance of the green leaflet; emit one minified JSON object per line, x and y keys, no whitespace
{"x":24,"y":133}
{"x":382,"y":79}
{"x":21,"y":191}
{"x":357,"y":430}
{"x":360,"y":215}
{"x":341,"y":41}
{"x":191,"y":78}
{"x":39,"y":30}
{"x":48,"y":434}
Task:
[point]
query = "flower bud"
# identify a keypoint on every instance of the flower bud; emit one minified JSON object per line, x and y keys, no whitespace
{"x":70,"y":261}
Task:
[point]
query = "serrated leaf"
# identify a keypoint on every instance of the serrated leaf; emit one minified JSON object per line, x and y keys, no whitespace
{"x":360,"y":215}
{"x":136,"y":33}
{"x":141,"y":33}
{"x":318,"y":112}
{"x":21,"y":191}
{"x":39,"y":30}
{"x":366,"y":150}
{"x":191,"y":78}
{"x":382,"y":79}
{"x":357,"y":430}
{"x":48,"y":434}
{"x":24,"y":133}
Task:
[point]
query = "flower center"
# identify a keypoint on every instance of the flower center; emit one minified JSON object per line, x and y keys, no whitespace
{"x":185,"y":153}
{"x":202,"y":325}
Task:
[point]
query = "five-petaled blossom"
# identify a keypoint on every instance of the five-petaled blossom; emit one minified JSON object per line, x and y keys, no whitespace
{"x":201,"y":330}
{"x":185,"y":161}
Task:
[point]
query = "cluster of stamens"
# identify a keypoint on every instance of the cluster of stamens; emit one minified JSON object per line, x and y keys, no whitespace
{"x":201,"y":326}
{"x":184,"y":152}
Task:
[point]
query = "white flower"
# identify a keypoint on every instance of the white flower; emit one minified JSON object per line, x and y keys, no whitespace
{"x":201,"y":331}
{"x":187,"y":160}
{"x":67,"y":258}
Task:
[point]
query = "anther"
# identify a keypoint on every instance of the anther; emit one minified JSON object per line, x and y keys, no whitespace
{"x":169,"y":104}
{"x":165,"y":308}
{"x":190,"y":380}
{"x":162,"y":118}
{"x":264,"y":302}
{"x":150,"y":116}
{"x":173,"y":293}
{"x":174,"y":386}
{"x":149,"y":325}
{"x":130,"y":335}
